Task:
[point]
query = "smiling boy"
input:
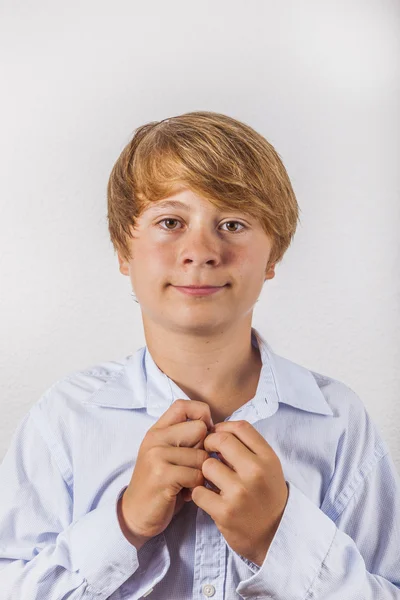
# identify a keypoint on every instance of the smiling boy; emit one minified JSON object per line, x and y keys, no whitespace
{"x":203,"y":465}
{"x":201,"y":339}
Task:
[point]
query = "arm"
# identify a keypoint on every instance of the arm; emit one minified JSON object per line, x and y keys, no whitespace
{"x":355,"y":555}
{"x":44,"y":553}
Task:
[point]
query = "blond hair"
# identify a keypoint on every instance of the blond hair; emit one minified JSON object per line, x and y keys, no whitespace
{"x":216,"y":156}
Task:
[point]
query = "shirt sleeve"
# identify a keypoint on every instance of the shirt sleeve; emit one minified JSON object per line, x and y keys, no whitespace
{"x":354,"y":556}
{"x":44,"y":553}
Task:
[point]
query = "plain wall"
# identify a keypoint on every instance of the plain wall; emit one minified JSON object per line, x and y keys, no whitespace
{"x":320,"y":80}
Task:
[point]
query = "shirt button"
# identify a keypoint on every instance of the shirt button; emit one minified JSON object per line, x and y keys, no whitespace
{"x":208,"y":590}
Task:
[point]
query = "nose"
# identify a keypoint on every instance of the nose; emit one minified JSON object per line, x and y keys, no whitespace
{"x":200,"y":246}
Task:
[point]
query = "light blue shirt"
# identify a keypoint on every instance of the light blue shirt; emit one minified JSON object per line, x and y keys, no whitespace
{"x":72,"y":456}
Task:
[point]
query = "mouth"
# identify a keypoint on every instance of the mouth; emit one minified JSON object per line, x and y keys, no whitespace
{"x":200,"y":287}
{"x":204,"y":290}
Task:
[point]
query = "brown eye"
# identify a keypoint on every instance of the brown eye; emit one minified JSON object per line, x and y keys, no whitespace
{"x":168,"y":221}
{"x":234,"y":223}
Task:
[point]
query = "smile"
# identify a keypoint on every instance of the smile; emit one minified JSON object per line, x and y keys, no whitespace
{"x":193,"y":291}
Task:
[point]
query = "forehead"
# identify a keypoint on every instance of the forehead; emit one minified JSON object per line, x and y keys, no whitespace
{"x":182,"y":198}
{"x":188,"y":205}
{"x":162,"y":204}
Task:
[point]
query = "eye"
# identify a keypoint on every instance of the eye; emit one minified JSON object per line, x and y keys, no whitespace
{"x":237,"y":223}
{"x":176,"y":221}
{"x":164,"y":220}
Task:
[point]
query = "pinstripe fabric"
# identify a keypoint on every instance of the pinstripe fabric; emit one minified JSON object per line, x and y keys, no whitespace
{"x":72,"y":455}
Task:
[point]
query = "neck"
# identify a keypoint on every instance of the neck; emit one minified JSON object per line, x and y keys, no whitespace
{"x":221,"y":369}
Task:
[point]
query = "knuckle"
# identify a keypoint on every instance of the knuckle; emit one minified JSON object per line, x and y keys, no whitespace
{"x":153,"y":455}
{"x":223,"y":436}
{"x":201,"y":426}
{"x":199,"y":477}
{"x":180,"y":403}
{"x":230,"y":513}
{"x":158,"y":472}
{"x":239,"y":493}
{"x":202,"y":456}
{"x":209,"y":465}
{"x":242,"y":424}
{"x":150,"y":438}
{"x":256,"y":473}
{"x":179,"y":407}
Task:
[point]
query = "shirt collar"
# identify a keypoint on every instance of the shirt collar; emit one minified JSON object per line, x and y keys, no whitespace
{"x":141,"y":384}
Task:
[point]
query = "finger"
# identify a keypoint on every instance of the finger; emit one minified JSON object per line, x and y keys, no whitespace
{"x":187,"y":434}
{"x":181,"y":410}
{"x":185,"y":477}
{"x":187,"y":492}
{"x":247,"y":434}
{"x":219,"y":475}
{"x":232,"y":449}
{"x":219,"y":456}
{"x":209,"y":484}
{"x":185,"y":457}
{"x":209,"y":501}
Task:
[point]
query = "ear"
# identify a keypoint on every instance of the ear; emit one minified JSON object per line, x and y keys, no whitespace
{"x":270,"y":274}
{"x":123,"y":265}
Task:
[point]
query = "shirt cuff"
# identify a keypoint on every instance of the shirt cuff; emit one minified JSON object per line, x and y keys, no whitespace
{"x":97,"y":547}
{"x":296,"y":553}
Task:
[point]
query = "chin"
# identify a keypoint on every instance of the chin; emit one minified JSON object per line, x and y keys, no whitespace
{"x":193,"y":318}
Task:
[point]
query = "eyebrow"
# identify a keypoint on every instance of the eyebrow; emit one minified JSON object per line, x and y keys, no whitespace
{"x":162,"y":204}
{"x":167,"y":204}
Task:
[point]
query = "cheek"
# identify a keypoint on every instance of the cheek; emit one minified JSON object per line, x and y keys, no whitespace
{"x":250,"y":272}
{"x":257,"y":258}
{"x":154,"y":258}
{"x":248,"y":262}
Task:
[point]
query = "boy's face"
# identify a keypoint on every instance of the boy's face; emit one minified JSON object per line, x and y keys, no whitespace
{"x":198,"y":244}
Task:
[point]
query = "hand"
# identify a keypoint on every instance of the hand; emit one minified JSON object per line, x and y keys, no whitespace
{"x":169,"y":459}
{"x":252,"y":489}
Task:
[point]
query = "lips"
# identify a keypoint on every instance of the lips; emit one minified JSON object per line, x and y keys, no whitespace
{"x":200,"y":287}
{"x":199,"y":291}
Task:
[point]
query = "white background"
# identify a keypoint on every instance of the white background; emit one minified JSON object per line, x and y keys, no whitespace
{"x":320,"y":80}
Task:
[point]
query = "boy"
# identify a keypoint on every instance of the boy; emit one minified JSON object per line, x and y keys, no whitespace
{"x":204,"y":465}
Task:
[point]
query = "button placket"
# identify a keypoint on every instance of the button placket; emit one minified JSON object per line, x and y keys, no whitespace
{"x":208,"y":548}
{"x":208,"y":590}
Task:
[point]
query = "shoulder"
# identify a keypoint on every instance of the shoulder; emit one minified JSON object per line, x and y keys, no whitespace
{"x":310,"y":390}
{"x":343,"y":400}
{"x":74,"y":395}
{"x":357,"y":434}
{"x":360,"y":440}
